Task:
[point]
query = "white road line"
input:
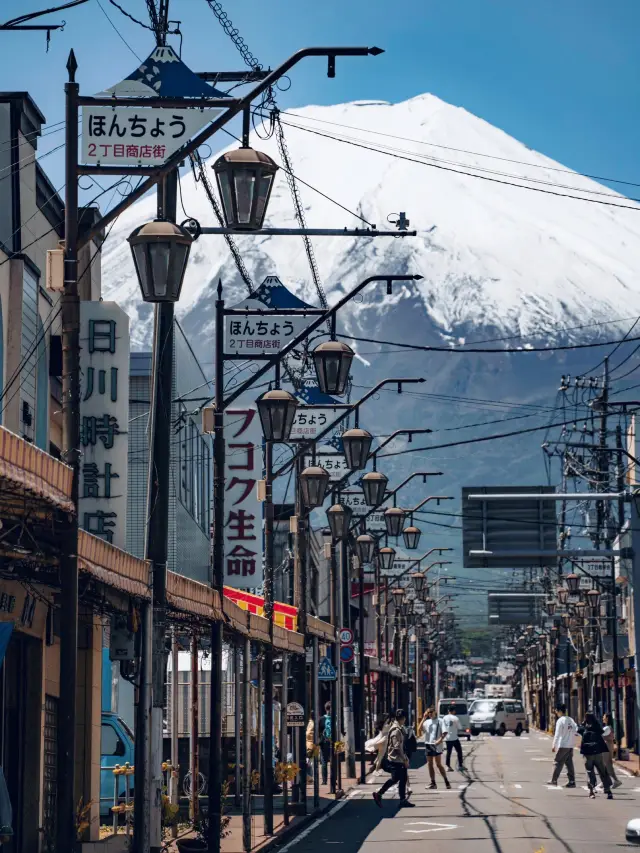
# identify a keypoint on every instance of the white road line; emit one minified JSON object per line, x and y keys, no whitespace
{"x":435,"y":827}
{"x":317,"y":823}
{"x":624,"y":772}
{"x":517,"y":786}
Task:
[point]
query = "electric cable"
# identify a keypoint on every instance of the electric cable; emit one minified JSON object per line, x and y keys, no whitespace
{"x":122,"y":38}
{"x":465,"y":151}
{"x":500,"y":351}
{"x":488,"y":178}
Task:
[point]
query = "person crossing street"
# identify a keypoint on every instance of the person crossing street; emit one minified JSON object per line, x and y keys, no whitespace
{"x":396,"y":763}
{"x":451,"y":727}
{"x":563,"y":743}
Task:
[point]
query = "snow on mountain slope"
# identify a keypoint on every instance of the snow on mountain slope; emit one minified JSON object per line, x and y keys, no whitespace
{"x":492,"y":256}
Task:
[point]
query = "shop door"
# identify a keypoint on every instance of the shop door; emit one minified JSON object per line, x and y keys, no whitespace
{"x":21,"y":684}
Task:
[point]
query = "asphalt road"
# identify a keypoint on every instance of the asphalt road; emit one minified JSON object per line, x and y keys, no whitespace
{"x":501,"y":805}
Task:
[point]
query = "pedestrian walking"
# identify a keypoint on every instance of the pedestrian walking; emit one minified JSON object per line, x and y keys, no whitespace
{"x":325,"y":741}
{"x":451,"y":726}
{"x":310,"y":743}
{"x":609,"y":739}
{"x":594,"y":748}
{"x":433,"y":732}
{"x":395,"y":762}
{"x":564,"y":741}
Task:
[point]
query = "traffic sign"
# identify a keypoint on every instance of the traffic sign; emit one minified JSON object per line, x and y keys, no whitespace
{"x":346,"y":636}
{"x":346,"y":654}
{"x":326,"y":670}
{"x":295,"y":714}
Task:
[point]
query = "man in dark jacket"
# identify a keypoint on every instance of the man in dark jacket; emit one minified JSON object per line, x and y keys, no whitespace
{"x":593,"y":749}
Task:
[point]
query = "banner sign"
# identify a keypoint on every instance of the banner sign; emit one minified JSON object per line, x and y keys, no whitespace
{"x":356,"y":501}
{"x":130,"y":136}
{"x":335,"y":464}
{"x":104,"y":420}
{"x":243,"y":466}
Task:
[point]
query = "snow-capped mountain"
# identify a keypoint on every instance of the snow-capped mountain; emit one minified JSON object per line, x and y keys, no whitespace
{"x":492,"y":255}
{"x":496,"y":261}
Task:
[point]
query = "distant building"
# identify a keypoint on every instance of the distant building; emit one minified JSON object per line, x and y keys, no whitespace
{"x":191,"y":462}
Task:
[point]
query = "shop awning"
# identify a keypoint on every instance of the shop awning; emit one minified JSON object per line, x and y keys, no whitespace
{"x":29,"y":470}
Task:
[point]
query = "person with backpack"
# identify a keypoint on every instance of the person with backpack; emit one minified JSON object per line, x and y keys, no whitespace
{"x":594,"y":749}
{"x":325,"y":742}
{"x":395,"y":762}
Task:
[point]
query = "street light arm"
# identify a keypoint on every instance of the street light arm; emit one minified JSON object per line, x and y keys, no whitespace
{"x":389,"y":439}
{"x":347,"y":410}
{"x":393,"y":492}
{"x":232,"y":111}
{"x":437,"y":498}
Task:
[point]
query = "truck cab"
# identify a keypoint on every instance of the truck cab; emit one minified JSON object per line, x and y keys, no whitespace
{"x":116,"y":747}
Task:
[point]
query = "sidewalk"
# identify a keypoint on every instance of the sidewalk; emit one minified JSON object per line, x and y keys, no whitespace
{"x":232,"y":843}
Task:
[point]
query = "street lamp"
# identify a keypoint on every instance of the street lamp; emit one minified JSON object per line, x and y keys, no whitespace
{"x":365,"y":544}
{"x":418,"y":581}
{"x":374,"y":486}
{"x":339,"y":518}
{"x":313,"y":483}
{"x":562,"y":594}
{"x":550,"y":606}
{"x":387,"y":558}
{"x":566,"y":620}
{"x":277,"y":409}
{"x":394,"y":519}
{"x":553,"y":634}
{"x":356,"y":444}
{"x":245,"y":178}
{"x":160,"y":253}
{"x":332,"y":360}
{"x":593,"y":598}
{"x":411,"y":537}
{"x":573,"y":583}
{"x":398,"y":595}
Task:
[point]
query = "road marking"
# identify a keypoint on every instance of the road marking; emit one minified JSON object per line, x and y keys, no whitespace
{"x":317,"y":823}
{"x":517,"y":786}
{"x":435,"y":827}
{"x":541,"y":759}
{"x":623,"y":771}
{"x":533,"y":750}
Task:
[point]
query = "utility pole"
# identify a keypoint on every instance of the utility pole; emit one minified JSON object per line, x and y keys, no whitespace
{"x":602,"y":525}
{"x":66,"y":831}
{"x":268,"y":649}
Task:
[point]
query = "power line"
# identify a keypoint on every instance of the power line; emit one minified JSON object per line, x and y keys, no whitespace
{"x":465,"y":151}
{"x":130,"y":16}
{"x":477,"y":440}
{"x":500,"y":351}
{"x":122,"y":38}
{"x":470,"y":174}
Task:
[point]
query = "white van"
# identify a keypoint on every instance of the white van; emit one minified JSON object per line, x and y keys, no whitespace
{"x":461,"y":711}
{"x":498,"y":716}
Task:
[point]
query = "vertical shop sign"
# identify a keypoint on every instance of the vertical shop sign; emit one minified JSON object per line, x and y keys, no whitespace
{"x":243,"y":567}
{"x":104,"y":418}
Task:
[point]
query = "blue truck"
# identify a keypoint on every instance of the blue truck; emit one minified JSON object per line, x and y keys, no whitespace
{"x":116,"y":745}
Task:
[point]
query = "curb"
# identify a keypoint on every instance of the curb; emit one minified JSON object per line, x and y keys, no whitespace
{"x":290,"y":832}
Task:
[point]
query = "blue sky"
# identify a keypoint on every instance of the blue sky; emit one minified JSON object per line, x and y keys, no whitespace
{"x":563,"y":77}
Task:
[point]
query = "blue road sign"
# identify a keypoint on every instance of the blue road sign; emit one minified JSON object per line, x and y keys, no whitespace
{"x":326,"y":670}
{"x":346,"y":654}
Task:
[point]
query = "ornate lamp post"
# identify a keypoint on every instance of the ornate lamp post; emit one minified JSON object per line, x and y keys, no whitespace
{"x":277,"y":410}
{"x":160,"y":253}
{"x":313,"y":485}
{"x":356,"y":444}
{"x":374,"y":486}
{"x":339,"y":518}
{"x":332,"y":361}
{"x":245,"y":178}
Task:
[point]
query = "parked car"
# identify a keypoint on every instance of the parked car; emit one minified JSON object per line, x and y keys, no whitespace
{"x":461,"y":712}
{"x":116,"y":747}
{"x":498,"y":716}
